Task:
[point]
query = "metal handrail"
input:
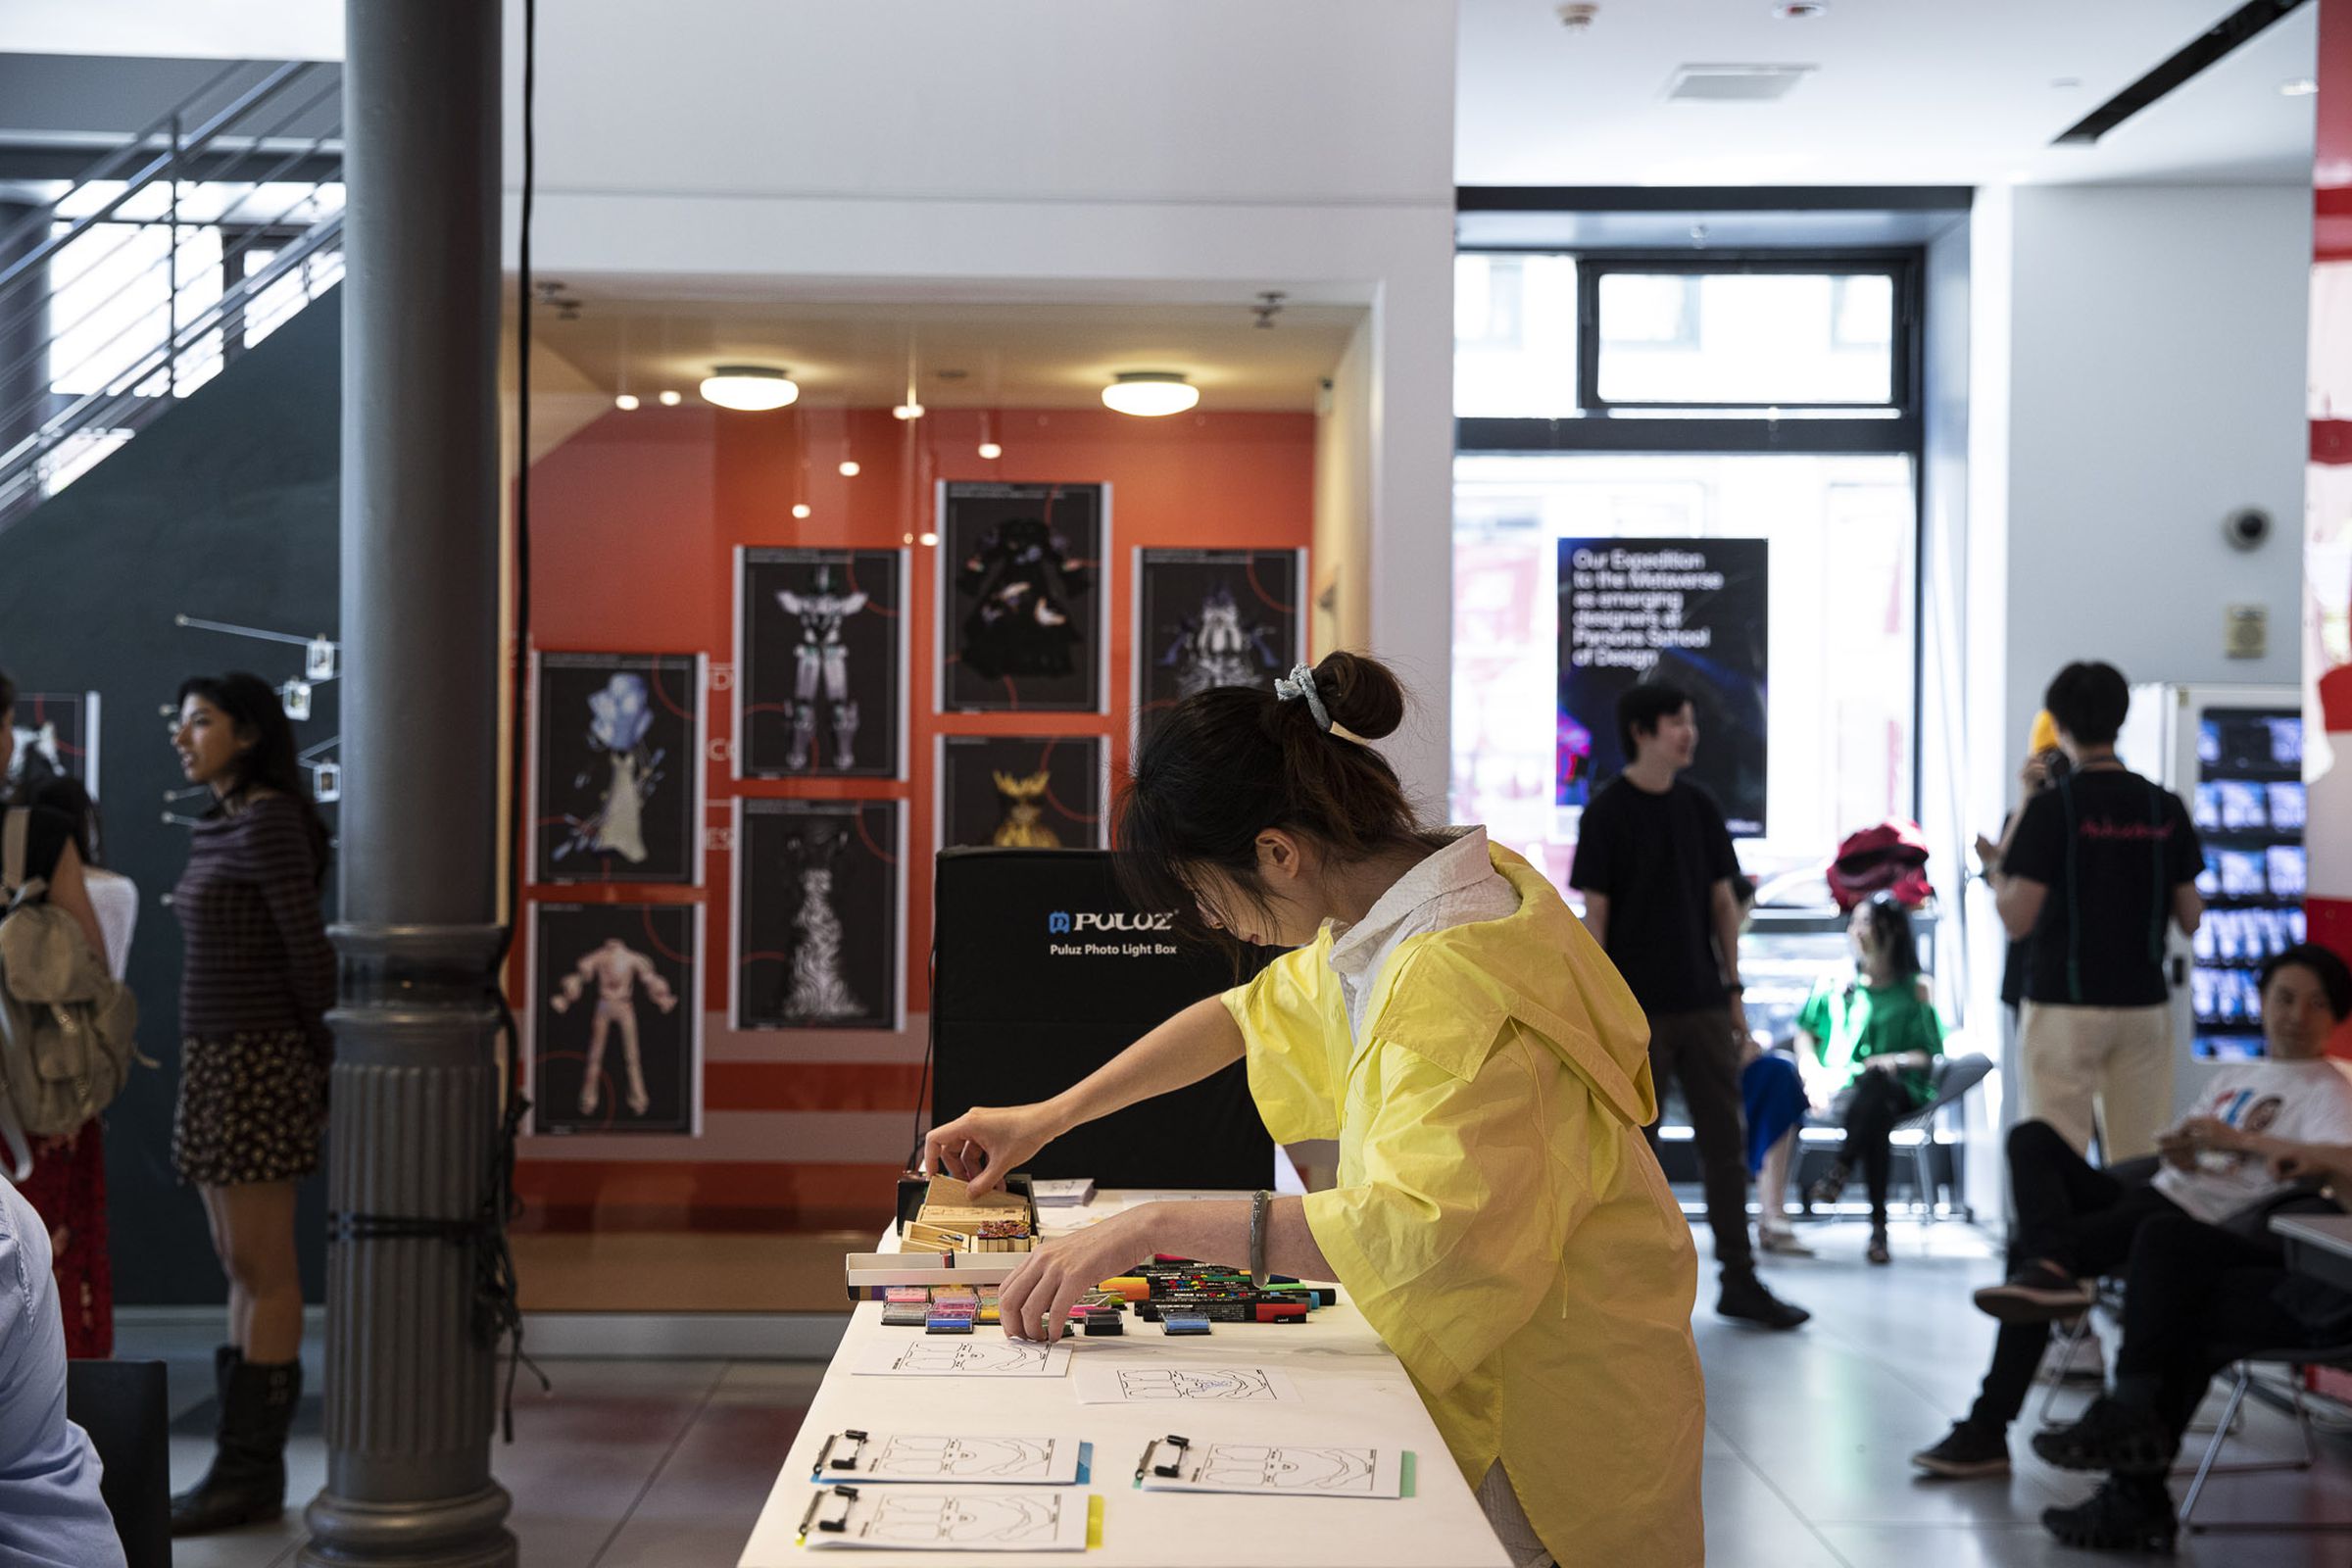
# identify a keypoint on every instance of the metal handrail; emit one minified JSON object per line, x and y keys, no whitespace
{"x":203,"y":137}
{"x":20,"y":466}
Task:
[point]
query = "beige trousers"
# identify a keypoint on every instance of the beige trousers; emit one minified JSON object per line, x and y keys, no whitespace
{"x":2114,"y":1064}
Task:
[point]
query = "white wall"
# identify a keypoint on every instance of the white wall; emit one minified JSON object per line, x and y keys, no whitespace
{"x":1122,"y":150}
{"x":2157,"y":346}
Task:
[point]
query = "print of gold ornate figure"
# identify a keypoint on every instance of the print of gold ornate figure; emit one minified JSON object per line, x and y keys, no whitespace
{"x":1024,"y":825}
{"x":615,"y":969}
{"x":822,"y":659}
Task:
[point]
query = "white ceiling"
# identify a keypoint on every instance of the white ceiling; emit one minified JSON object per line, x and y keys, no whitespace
{"x":1907,"y":92}
{"x":1013,"y":355}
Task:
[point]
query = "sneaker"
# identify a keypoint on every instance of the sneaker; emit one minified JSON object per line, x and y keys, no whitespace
{"x":1967,"y":1451}
{"x":2120,"y":1439}
{"x":2129,"y":1513}
{"x":1878,"y":1251}
{"x":2083,"y":1363}
{"x":2039,"y":1293}
{"x":1745,"y":1299}
{"x":1782,"y":1241}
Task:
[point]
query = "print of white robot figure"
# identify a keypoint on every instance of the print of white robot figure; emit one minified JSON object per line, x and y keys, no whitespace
{"x":619,"y":735}
{"x":617,"y":1045}
{"x":822,"y":663}
{"x":818,"y":914}
{"x":1019,"y":792}
{"x":1212,"y":618}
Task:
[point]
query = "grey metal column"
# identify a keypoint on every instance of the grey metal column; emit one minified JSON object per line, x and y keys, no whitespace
{"x":409,"y":1383}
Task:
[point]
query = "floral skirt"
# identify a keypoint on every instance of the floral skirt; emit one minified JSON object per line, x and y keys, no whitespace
{"x":252,"y":1109}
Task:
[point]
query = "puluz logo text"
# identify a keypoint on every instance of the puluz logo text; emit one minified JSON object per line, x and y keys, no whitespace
{"x":1062,"y":923}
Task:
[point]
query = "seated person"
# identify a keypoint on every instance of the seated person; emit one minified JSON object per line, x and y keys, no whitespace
{"x":2076,"y":1222}
{"x":51,"y":1514}
{"x":1866,"y":1047}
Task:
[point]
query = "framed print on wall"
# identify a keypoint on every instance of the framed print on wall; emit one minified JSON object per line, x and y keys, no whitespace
{"x":1022,"y":626}
{"x":616,"y":1024}
{"x":1213,"y":617}
{"x":820,"y":934}
{"x":617,"y":769}
{"x":1023,"y":792}
{"x":821,"y":664}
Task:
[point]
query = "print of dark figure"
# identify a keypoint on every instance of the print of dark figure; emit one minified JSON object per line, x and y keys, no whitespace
{"x":1213,"y":648}
{"x":1020,"y":579}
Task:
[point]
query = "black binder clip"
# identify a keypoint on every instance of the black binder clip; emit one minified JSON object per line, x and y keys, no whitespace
{"x":857,"y":1442}
{"x":1173,"y":1469}
{"x":831,"y":1527}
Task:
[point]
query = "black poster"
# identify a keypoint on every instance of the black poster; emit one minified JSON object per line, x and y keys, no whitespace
{"x":817,"y":924}
{"x":1021,"y":618}
{"x":822,"y":673}
{"x":1213,"y":617}
{"x":618,"y":767}
{"x":616,"y":1027}
{"x":57,"y":737}
{"x":1020,"y":792}
{"x":1691,"y":612}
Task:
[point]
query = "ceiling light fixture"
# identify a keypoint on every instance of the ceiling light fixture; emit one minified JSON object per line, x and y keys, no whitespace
{"x":990,"y":451}
{"x":927,"y":540}
{"x":908,"y":411}
{"x":625,"y":402}
{"x":848,"y":468}
{"x":1150,"y":394}
{"x":672,"y":397}
{"x":800,"y":508}
{"x":913,"y":408}
{"x":2300,"y":87}
{"x":748,"y":388}
{"x":1802,"y":9}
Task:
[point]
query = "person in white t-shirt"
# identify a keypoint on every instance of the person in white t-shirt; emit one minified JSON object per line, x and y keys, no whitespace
{"x":2076,"y":1222}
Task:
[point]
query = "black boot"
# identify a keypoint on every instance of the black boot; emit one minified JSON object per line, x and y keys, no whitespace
{"x":1744,"y":1298}
{"x":2120,"y":1439}
{"x":247,"y":1481}
{"x":2129,"y":1513}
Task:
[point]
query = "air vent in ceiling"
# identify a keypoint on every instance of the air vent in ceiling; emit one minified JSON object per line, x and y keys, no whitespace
{"x":1735,"y":84}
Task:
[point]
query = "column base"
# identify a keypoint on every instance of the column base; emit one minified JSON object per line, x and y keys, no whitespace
{"x":455,"y":1533}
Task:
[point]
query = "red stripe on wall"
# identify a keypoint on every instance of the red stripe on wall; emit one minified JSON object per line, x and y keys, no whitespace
{"x":812,"y":1085}
{"x":685,"y":1195}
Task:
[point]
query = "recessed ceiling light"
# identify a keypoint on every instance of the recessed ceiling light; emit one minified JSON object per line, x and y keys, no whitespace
{"x":1150,"y":394}
{"x":2300,"y":87}
{"x":625,"y":402}
{"x":1802,"y":9}
{"x":748,"y":388}
{"x":672,"y":397}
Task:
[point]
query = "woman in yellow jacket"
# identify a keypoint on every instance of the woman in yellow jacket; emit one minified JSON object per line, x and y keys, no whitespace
{"x":1498,"y":1218}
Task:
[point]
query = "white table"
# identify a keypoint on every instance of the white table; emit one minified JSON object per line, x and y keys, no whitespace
{"x":2319,"y":1244}
{"x":1352,"y":1388}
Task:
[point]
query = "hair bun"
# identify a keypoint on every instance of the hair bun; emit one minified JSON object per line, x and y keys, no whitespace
{"x":1362,"y":696}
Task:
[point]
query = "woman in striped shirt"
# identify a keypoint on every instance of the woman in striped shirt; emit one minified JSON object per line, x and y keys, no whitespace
{"x":257,"y":981}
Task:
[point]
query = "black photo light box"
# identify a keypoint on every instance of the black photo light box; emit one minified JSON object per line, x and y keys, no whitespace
{"x":1044,"y":974}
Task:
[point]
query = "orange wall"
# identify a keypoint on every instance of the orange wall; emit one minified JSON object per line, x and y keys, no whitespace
{"x":635,"y":522}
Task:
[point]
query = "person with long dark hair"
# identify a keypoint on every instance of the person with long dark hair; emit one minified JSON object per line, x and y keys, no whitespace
{"x":1867,"y":1047}
{"x":1498,"y":1218}
{"x":257,"y":981}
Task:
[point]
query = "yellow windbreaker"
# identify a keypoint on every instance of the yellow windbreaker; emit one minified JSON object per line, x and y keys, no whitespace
{"x":1498,"y":1218}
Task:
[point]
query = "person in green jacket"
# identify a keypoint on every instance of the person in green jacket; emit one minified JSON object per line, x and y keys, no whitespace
{"x":1867,"y":1048}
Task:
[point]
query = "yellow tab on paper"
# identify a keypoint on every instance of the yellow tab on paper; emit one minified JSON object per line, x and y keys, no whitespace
{"x":1094,"y":1524}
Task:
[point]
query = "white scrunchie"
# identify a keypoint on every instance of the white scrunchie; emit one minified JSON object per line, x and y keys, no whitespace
{"x":1300,"y":682}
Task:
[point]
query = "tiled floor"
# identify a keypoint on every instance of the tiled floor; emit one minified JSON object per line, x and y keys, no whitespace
{"x":635,"y":1463}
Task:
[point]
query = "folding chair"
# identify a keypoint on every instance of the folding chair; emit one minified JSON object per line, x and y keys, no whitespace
{"x":1953,"y":1078}
{"x":2339,"y":1356}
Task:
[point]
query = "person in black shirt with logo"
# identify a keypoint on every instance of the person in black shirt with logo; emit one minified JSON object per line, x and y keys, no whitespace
{"x":2097,"y":869}
{"x":1655,"y":864}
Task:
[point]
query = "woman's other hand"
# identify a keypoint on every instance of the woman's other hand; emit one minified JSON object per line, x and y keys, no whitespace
{"x":1035,"y":1302}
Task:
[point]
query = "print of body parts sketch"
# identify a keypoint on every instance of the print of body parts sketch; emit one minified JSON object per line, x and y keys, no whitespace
{"x":1262,"y":1467}
{"x":1195,"y":1383}
{"x":965,"y":1458}
{"x":1001,"y":1518}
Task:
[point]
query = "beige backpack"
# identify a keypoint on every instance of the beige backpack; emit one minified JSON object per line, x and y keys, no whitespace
{"x":67,"y":1027}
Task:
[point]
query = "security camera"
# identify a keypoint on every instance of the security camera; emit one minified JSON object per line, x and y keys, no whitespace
{"x":2247,"y":528}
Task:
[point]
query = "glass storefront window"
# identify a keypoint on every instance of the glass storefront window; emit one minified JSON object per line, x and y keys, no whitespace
{"x":1842,"y":653}
{"x":1731,"y":339}
{"x":1514,"y":336}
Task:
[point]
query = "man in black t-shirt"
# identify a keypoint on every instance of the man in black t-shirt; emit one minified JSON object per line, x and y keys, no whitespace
{"x":2094,"y":872}
{"x":1655,"y":864}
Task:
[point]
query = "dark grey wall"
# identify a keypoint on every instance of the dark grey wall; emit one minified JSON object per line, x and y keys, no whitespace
{"x":222,"y":509}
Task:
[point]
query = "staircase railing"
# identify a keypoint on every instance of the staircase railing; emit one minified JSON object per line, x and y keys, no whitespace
{"x":164,"y":259}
